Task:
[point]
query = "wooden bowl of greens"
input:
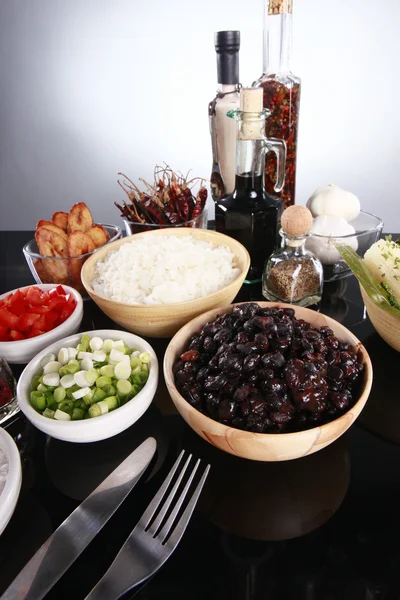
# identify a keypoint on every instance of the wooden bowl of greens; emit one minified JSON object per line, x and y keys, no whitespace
{"x":378,"y":274}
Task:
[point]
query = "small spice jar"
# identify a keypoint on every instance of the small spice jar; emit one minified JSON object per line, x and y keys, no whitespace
{"x":293,"y":274}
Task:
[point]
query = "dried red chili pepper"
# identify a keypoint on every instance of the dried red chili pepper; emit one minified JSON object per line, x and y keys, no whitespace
{"x":154,"y":211}
{"x":201,"y":199}
{"x":172,"y":216}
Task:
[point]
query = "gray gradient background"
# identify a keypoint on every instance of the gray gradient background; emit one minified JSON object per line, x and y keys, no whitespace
{"x":91,"y":87}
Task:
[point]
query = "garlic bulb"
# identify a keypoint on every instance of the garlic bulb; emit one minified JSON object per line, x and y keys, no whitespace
{"x":331,"y":229}
{"x":332,"y":200}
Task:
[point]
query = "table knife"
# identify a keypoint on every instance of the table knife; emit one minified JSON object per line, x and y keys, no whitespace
{"x":73,"y":535}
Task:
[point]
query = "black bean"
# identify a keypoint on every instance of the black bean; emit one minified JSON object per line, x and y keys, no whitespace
{"x":227,"y":410}
{"x":215,"y":382}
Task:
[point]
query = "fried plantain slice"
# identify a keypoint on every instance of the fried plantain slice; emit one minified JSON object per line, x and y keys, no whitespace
{"x":98,"y":234}
{"x":61,"y":220}
{"x":78,"y":243}
{"x":51,"y":244}
{"x":52,"y":227}
{"x":79,"y":218}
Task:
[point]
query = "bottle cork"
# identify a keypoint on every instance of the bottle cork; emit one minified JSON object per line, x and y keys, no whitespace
{"x":296,"y":220}
{"x":251,"y":105}
{"x":278,"y":7}
{"x":251,"y":100}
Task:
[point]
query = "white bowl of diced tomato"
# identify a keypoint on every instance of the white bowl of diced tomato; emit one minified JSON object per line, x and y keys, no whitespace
{"x":35,"y":316}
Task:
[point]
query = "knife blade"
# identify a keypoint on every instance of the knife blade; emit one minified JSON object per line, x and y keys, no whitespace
{"x":73,"y":535}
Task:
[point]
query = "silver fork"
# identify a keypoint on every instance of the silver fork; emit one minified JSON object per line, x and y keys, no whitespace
{"x":151,"y":542}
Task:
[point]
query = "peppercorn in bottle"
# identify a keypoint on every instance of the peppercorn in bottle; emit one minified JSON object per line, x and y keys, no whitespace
{"x":293,"y":274}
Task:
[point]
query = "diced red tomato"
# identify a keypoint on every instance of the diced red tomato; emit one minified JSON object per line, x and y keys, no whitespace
{"x":7,"y":318}
{"x":16,"y":336}
{"x":26,"y":321}
{"x":38,"y":310}
{"x":30,"y":312}
{"x":55,"y":302}
{"x":52,"y":317}
{"x":34,"y":296}
{"x":16,"y":303}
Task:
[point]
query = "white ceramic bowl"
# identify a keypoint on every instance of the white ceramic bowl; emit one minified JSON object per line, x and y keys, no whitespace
{"x":10,"y":493}
{"x":98,"y":428}
{"x":24,"y":350}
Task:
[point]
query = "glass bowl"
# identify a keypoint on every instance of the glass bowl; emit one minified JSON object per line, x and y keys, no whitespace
{"x":368,"y":229}
{"x":8,"y":407}
{"x":200,"y":222}
{"x":47,"y":269}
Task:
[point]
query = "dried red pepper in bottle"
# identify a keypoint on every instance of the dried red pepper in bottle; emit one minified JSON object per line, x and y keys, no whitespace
{"x":281,"y":91}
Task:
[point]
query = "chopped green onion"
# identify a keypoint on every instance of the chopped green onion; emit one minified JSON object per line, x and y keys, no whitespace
{"x":62,"y":416}
{"x":91,"y":376}
{"x":107,"y":370}
{"x":99,"y":394}
{"x":38,"y":401}
{"x":90,"y":380}
{"x":48,"y":413}
{"x":66,"y":406}
{"x":145,"y":357}
{"x":77,"y":414}
{"x":102,"y":381}
{"x":109,"y":390}
{"x":35,"y":382}
{"x":59,"y":394}
{"x":124,"y":387}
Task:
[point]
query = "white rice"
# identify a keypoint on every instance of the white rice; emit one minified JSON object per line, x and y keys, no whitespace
{"x":164,"y":270}
{"x":3,"y":470}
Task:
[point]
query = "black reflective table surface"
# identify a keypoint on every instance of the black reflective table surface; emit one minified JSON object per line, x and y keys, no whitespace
{"x":325,"y":527}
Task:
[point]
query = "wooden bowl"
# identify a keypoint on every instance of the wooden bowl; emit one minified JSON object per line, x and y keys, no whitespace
{"x":264,"y":446}
{"x":387,"y":325}
{"x":166,"y":319}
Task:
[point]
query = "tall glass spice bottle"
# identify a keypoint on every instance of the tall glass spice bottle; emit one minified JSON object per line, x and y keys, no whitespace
{"x":249,"y":214}
{"x":222,"y":128}
{"x":281,"y":93}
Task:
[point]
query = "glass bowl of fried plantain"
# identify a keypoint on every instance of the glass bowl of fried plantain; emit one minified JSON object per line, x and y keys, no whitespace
{"x":56,"y":255}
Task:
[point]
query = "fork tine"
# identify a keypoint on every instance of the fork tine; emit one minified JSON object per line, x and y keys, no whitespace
{"x":151,"y":509}
{"x":181,"y":525}
{"x":166,"y":505}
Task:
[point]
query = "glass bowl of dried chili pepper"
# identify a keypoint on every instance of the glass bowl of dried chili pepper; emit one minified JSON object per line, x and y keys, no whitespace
{"x":169,"y":202}
{"x":199,"y":222}
{"x":8,"y":400}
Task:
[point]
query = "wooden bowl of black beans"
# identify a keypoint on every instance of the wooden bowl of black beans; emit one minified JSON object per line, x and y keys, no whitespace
{"x":267,"y":381}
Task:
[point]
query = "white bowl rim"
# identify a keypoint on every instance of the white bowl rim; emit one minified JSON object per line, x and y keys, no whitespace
{"x":116,"y":236}
{"x":45,"y":287}
{"x":281,"y":436}
{"x":377,"y":228}
{"x":187,"y":303}
{"x":84,"y":424}
{"x":10,"y":493}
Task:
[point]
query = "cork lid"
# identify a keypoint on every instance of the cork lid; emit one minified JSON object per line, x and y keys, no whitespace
{"x":296,"y":220}
{"x":251,"y":100}
{"x":278,"y":7}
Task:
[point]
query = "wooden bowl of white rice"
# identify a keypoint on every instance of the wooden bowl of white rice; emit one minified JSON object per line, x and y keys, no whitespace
{"x":153,"y":283}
